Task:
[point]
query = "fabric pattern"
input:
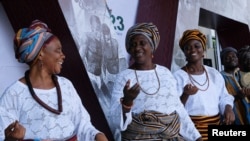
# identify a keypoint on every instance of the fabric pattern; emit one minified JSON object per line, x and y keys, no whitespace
{"x":41,"y":123}
{"x":232,"y":82}
{"x":149,"y":30}
{"x":29,"y":41}
{"x":193,"y":34}
{"x":209,"y":102}
{"x":202,"y":122}
{"x":241,"y":105}
{"x":166,"y":101}
{"x":152,"y":125}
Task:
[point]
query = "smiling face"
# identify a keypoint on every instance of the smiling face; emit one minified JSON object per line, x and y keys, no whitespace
{"x":140,"y":50}
{"x":52,"y":56}
{"x":193,"y":51}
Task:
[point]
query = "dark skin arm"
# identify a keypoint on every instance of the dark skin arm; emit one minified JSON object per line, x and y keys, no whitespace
{"x":199,"y":139}
{"x":130,"y":93}
{"x":245,"y":92}
{"x":184,"y":98}
{"x":229,"y":116}
{"x":188,"y":90}
{"x":14,"y":131}
{"x":100,"y":137}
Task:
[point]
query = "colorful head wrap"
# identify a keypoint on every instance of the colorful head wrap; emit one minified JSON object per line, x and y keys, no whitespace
{"x":226,"y":50}
{"x":149,"y":30}
{"x":29,"y":41}
{"x":193,"y":34}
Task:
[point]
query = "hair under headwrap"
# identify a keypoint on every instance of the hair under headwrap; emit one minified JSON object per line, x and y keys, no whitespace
{"x":149,"y":30}
{"x":29,"y":41}
{"x":243,"y":53}
{"x":226,"y":50}
{"x":193,"y":34}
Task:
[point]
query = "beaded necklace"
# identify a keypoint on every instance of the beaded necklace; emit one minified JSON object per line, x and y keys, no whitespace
{"x":157,"y":80}
{"x":193,"y":81}
{"x":59,"y":95}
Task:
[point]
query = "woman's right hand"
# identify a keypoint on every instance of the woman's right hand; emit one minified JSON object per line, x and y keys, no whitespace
{"x":14,"y":131}
{"x":189,"y":89}
{"x":130,"y":93}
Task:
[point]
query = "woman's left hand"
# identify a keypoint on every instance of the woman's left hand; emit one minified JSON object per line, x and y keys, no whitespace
{"x":229,"y":116}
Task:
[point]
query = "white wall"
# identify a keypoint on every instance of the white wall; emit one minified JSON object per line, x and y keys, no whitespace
{"x":10,"y":69}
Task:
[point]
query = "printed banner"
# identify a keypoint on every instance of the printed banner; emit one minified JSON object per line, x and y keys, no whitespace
{"x":99,"y":28}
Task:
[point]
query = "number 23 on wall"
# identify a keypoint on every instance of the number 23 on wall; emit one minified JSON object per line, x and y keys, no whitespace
{"x":118,"y":22}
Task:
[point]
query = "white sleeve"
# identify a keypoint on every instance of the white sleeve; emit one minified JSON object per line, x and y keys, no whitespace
{"x":5,"y":120}
{"x":116,"y":115}
{"x":84,"y":128}
{"x":187,"y":127}
{"x":8,"y":113}
{"x":225,"y":97}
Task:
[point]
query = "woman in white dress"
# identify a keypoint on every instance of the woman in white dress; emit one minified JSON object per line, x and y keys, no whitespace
{"x":43,"y":105}
{"x":202,"y":88}
{"x":145,"y":102}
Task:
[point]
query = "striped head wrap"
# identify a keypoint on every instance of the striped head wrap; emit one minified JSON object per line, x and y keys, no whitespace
{"x":29,"y":41}
{"x":193,"y":34}
{"x":149,"y":30}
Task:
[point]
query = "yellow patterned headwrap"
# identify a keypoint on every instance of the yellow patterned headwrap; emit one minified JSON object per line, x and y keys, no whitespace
{"x":149,"y":30}
{"x":192,"y":34}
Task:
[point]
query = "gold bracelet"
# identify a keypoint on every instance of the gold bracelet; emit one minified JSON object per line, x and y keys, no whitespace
{"x":125,"y":106}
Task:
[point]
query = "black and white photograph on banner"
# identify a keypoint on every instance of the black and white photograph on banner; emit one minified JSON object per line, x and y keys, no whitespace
{"x":98,"y":28}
